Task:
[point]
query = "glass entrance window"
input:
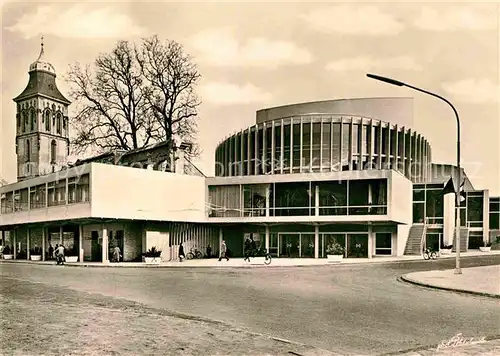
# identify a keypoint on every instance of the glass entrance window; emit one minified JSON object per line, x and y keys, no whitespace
{"x":273,"y":244}
{"x":307,"y":245}
{"x":383,"y":243}
{"x":289,"y":245}
{"x":418,"y":212}
{"x":357,"y":245}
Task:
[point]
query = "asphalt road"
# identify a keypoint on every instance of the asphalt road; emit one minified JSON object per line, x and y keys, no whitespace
{"x":349,"y":309}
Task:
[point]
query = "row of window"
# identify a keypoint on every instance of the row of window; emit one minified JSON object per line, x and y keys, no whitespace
{"x":300,"y":144}
{"x":75,"y":189}
{"x":28,"y":122}
{"x":359,"y":197}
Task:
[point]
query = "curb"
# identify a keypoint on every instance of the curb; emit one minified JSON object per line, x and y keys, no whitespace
{"x":456,"y":290}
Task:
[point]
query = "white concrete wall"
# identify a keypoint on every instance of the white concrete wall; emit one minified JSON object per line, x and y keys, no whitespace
{"x":53,"y":213}
{"x":132,"y":193}
{"x":400,"y":198}
{"x":160,"y":240}
{"x":402,"y":238}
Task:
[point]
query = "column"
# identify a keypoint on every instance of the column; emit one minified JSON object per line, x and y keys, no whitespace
{"x":268,"y":237}
{"x":80,"y":243}
{"x":316,"y":200}
{"x":371,"y":239}
{"x":43,"y":243}
{"x":60,"y":235}
{"x":14,"y":244}
{"x":104,"y":245}
{"x":220,"y":239}
{"x":268,"y":193}
{"x":28,"y":243}
{"x":316,"y":241}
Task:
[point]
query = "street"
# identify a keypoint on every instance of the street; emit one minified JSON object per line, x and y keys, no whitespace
{"x":348,"y":309}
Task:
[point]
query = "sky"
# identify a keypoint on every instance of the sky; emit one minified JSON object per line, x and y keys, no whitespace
{"x":255,"y":55}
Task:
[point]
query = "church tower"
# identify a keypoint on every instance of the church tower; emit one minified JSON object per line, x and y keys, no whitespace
{"x":42,"y":132}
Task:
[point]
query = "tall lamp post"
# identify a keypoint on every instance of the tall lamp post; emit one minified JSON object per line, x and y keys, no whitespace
{"x":458,"y":270}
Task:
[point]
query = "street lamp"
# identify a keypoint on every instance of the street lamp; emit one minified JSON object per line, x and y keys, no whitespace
{"x":458,"y":270}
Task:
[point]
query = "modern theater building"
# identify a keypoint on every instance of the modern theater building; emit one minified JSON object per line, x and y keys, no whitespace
{"x":350,"y":170}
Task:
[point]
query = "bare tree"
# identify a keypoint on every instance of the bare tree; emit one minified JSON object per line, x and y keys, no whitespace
{"x":171,"y":78}
{"x":134,"y":96}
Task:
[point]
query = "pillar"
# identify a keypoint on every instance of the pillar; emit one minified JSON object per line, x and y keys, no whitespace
{"x":316,"y":200}
{"x":60,"y":235}
{"x":268,"y":193}
{"x":316,"y":241}
{"x":105,"y":245}
{"x":14,"y":244}
{"x":43,"y":243}
{"x":371,"y":239}
{"x":268,"y":237}
{"x":80,"y":243}
{"x":220,"y":239}
{"x":28,"y":244}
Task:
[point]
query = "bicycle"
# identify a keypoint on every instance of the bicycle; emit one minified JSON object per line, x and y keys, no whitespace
{"x":429,"y":254}
{"x":194,"y":253}
{"x":263,"y":253}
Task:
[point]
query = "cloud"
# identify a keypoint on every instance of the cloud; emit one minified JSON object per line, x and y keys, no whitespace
{"x":474,"y":91}
{"x":353,"y":20}
{"x":232,"y":94}
{"x":78,"y":21}
{"x":465,"y":18}
{"x":220,"y":48}
{"x":368,"y":63}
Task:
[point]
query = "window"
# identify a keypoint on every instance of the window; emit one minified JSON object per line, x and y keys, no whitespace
{"x":47,"y":120}
{"x":336,"y":147}
{"x":53,"y":152}
{"x":51,"y":194}
{"x":25,"y":116}
{"x":316,"y":145}
{"x":325,"y":147}
{"x":306,"y":146}
{"x":28,"y":151}
{"x":72,"y":190}
{"x":225,"y":201}
{"x":254,"y":200}
{"x":64,"y":124}
{"x":332,"y":198}
{"x":296,"y":147}
{"x":33,"y":120}
{"x":59,"y":123}
{"x":292,"y":199}
{"x":277,"y":154}
{"x":286,"y":147}
{"x":82,"y":189}
{"x":61,"y":192}
{"x":358,"y":197}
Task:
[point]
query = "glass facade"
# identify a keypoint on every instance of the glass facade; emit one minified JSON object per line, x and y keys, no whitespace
{"x":323,"y":143}
{"x":65,"y":191}
{"x":355,"y":197}
{"x":428,"y":202}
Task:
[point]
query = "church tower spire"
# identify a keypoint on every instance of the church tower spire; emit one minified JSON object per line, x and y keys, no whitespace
{"x":42,"y":132}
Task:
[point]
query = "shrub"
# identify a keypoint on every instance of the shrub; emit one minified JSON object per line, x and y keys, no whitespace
{"x":487,"y":244}
{"x":36,"y":251}
{"x":152,"y":252}
{"x":448,"y":247}
{"x":335,"y":249}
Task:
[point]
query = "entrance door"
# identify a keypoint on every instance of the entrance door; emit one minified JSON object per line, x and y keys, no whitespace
{"x":96,"y":249}
{"x":307,"y":245}
{"x":357,"y":245}
{"x":289,"y":245}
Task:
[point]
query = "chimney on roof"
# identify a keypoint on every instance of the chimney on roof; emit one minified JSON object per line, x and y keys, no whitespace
{"x":180,"y":160}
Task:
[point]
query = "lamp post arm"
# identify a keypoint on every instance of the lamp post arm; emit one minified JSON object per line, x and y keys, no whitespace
{"x":443,"y":99}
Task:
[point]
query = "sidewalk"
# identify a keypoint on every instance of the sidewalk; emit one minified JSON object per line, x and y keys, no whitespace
{"x":240,"y":263}
{"x":483,"y":280}
{"x":485,"y":348}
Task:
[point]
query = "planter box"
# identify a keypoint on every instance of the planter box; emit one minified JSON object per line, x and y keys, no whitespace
{"x":335,"y":258}
{"x":152,"y":260}
{"x":71,"y":259}
{"x":485,"y":249}
{"x":445,"y":251}
{"x":257,"y":260}
{"x":8,"y":257}
{"x":35,"y":257}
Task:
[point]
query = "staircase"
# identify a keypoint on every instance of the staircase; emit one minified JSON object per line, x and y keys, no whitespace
{"x":415,"y":239}
{"x":464,"y":240}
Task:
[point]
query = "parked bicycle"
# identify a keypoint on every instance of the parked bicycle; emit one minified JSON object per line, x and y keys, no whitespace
{"x":262,"y":252}
{"x":194,"y":253}
{"x":430,"y":254}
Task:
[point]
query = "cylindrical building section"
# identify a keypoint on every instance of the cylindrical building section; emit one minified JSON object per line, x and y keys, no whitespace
{"x":323,"y":143}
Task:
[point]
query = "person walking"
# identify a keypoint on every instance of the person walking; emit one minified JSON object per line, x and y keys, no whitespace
{"x":117,"y":254}
{"x":246,"y":250}
{"x":223,"y":251}
{"x":182,"y":255}
{"x":60,"y":255}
